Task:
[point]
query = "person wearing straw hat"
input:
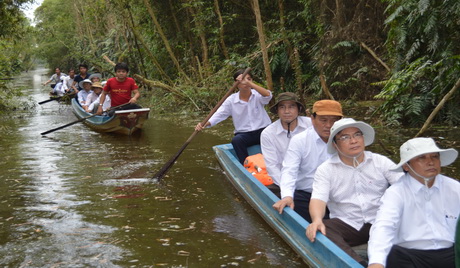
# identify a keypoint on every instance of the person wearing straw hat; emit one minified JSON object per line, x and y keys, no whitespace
{"x":415,"y":224}
{"x":92,"y":101}
{"x":351,"y":184}
{"x":275,"y":138}
{"x":305,"y":153}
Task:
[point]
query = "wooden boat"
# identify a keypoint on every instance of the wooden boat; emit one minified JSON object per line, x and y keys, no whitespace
{"x":123,"y":122}
{"x":289,"y":225}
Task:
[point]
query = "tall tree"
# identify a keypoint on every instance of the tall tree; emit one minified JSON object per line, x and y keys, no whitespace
{"x":263,"y":46}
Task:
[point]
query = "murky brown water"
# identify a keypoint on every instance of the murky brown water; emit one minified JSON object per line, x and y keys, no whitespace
{"x":77,"y":198}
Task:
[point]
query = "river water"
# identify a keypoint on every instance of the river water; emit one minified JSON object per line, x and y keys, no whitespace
{"x":77,"y":198}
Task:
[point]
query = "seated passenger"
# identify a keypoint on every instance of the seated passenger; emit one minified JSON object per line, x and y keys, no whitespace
{"x":351,"y":184}
{"x":83,"y":94}
{"x":96,"y":77}
{"x":92,"y":101}
{"x":246,"y":107}
{"x":415,"y":224}
{"x":68,"y":81}
{"x":58,"y":89}
{"x":275,"y":138}
{"x":306,"y":151}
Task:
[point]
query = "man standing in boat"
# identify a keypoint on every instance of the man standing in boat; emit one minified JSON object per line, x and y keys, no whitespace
{"x":305,"y":153}
{"x":275,"y":138}
{"x":121,"y":87}
{"x":351,"y":184}
{"x":415,"y":224}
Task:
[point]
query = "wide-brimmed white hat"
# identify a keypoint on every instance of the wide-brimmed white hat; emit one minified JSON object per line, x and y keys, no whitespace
{"x":95,"y":75}
{"x":80,"y":84}
{"x":344,"y":123}
{"x":419,"y":146}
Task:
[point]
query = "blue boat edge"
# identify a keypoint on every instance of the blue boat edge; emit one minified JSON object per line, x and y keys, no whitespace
{"x":289,"y":225}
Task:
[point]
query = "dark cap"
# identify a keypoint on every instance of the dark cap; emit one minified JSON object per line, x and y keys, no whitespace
{"x":287,"y":96}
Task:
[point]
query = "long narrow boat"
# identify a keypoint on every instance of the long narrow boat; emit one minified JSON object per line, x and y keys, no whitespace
{"x":289,"y":225}
{"x":123,"y":122}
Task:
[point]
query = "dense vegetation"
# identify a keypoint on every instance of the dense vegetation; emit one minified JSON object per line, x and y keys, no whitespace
{"x":405,"y":53}
{"x":16,"y":43}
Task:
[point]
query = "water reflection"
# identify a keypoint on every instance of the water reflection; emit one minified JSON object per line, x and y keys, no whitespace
{"x":77,"y":198}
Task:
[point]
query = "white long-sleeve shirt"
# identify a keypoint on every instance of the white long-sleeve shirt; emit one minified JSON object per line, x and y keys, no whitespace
{"x":416,"y":217}
{"x":82,"y":95}
{"x":353,"y":194}
{"x":305,"y":153}
{"x":274,"y":143}
{"x":247,"y":116}
{"x":105,"y":105}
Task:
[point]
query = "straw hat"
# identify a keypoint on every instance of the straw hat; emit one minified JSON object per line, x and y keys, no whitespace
{"x":419,"y":146}
{"x":287,"y":96}
{"x":366,"y":129}
{"x":97,"y":84}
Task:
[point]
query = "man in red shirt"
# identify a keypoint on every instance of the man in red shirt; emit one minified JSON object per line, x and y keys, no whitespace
{"x":120,"y":89}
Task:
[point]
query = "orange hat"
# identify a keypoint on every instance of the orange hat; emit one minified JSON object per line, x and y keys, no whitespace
{"x":327,"y":107}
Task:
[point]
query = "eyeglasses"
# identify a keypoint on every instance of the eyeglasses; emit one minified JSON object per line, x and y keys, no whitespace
{"x":347,"y":138}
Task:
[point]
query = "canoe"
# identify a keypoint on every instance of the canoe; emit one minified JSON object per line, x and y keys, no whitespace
{"x":124,"y":122}
{"x":289,"y":225}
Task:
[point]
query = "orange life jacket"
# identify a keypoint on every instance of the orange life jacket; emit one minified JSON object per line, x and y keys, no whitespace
{"x":255,"y":164}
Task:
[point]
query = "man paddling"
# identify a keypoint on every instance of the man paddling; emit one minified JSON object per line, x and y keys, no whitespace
{"x":121,"y":89}
{"x":246,"y":107}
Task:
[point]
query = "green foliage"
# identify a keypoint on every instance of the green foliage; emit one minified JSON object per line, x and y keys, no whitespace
{"x":425,"y":42}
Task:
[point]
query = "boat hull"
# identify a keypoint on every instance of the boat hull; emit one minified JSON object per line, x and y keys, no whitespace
{"x":124,"y":122}
{"x":289,"y":225}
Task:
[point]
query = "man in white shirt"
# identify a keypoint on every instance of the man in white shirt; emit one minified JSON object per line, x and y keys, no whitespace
{"x":83,"y":94}
{"x":246,"y":107}
{"x":275,"y":138}
{"x":351,"y":184}
{"x":415,"y":224}
{"x":68,"y":81}
{"x":305,"y":153}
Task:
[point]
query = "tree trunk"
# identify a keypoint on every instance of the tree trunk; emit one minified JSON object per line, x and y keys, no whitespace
{"x":151,"y":56}
{"x":221,"y":30}
{"x":263,"y":46}
{"x":204,"y":42}
{"x":165,"y":40}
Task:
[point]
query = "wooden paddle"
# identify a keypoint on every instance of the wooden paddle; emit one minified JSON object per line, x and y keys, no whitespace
{"x":56,"y":98}
{"x":80,"y":120}
{"x":162,"y":172}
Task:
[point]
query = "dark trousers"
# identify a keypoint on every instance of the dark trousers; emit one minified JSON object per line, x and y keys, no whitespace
{"x":302,"y":204}
{"x":345,"y":236}
{"x":242,"y":140}
{"x":400,"y":257}
{"x":275,"y":189}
